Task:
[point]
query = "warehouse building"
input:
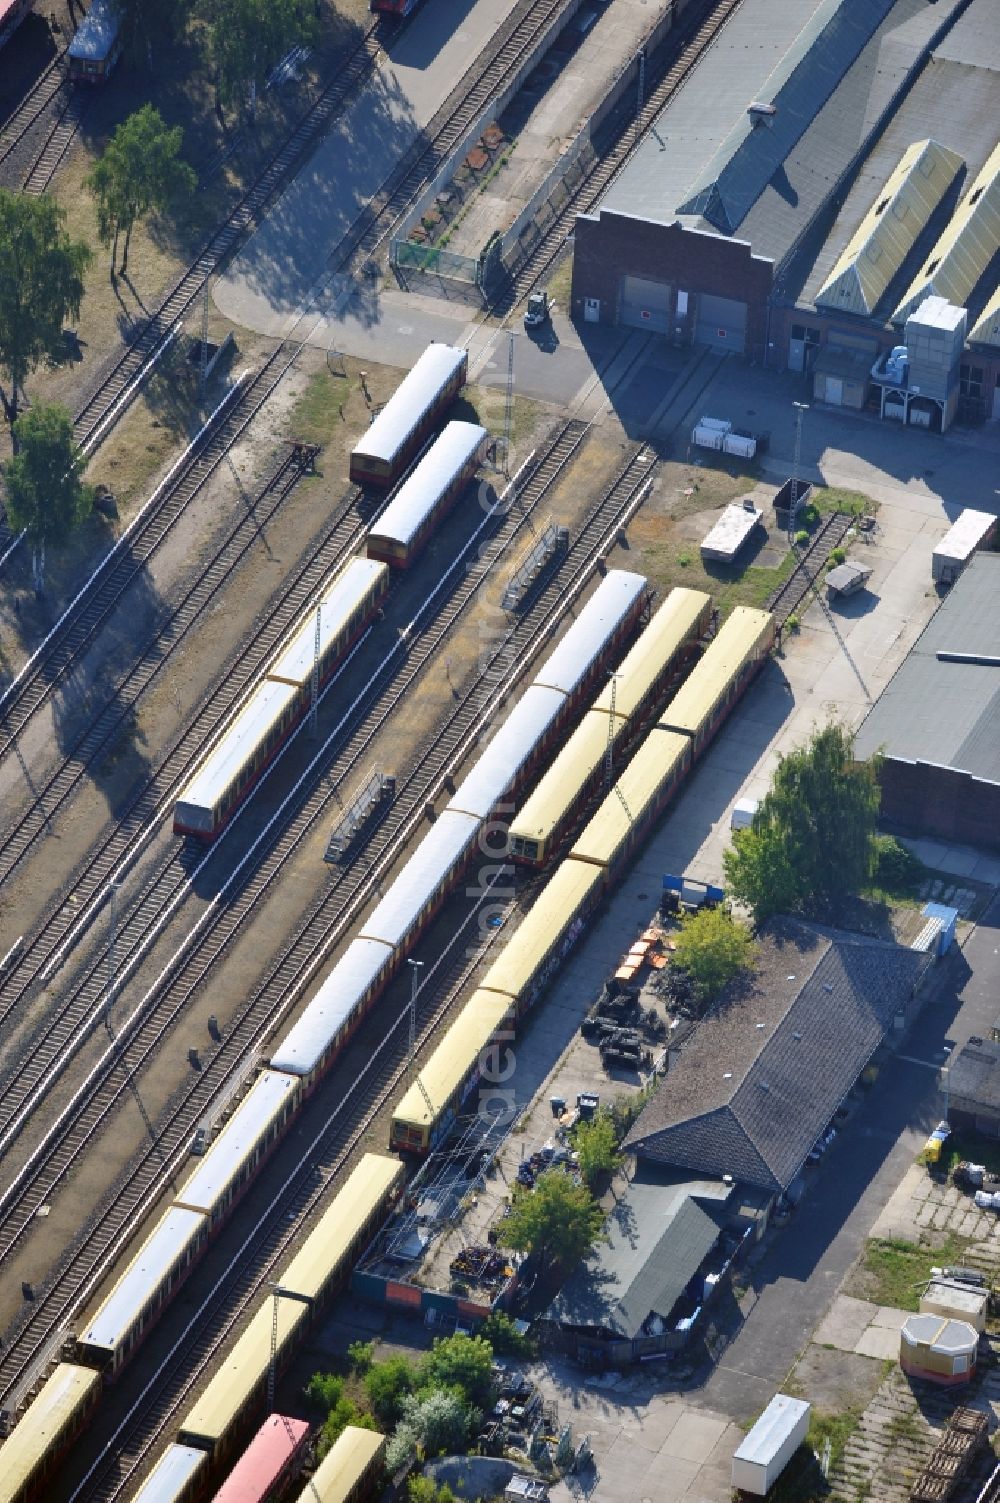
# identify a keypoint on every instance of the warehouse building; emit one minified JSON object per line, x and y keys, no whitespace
{"x":807,"y":189}
{"x":937,"y":721}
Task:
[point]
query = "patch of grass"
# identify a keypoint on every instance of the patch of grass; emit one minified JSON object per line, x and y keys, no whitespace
{"x":903,"y":1426}
{"x":895,"y":1272}
{"x":827,"y":498}
{"x":560,"y":283}
{"x":728,"y":587}
{"x":487,"y":405}
{"x":321,"y":408}
{"x":802,"y":1481}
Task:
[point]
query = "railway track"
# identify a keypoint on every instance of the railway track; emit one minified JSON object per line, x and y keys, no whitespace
{"x":51,"y":92}
{"x":324,"y":923}
{"x":787,"y":598}
{"x":69,"y":117}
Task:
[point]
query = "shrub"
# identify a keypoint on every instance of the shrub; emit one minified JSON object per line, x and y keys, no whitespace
{"x":837,"y":555}
{"x":361,"y":1355}
{"x":505,"y":1339}
{"x":440,"y":1420}
{"x":387,"y":1384}
{"x":462,"y":1362}
{"x":683,"y":559}
{"x":801,"y":537}
{"x":809,"y":515}
{"x":894,"y":865}
{"x":792,"y":623}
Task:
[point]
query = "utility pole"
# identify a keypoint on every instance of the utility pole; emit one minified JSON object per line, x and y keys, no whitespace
{"x":800,"y":408}
{"x":416,"y":966}
{"x":609,"y":749}
{"x":314,"y":705}
{"x":641,"y":95}
{"x":279,"y":1293}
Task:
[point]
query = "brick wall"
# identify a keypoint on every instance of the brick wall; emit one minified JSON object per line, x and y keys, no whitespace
{"x":609,"y":246}
{"x":923,"y":800}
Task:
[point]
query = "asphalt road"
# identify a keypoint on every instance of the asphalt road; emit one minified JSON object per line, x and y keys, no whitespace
{"x":802,"y":1269}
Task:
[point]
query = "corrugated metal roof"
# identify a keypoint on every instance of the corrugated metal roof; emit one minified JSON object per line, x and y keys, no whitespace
{"x":178,"y":1466}
{"x":940,"y":711}
{"x":368,"y":1183}
{"x":965,"y":534}
{"x":176,"y":1230}
{"x":420,"y":493}
{"x":515,"y":743}
{"x":96,"y":33}
{"x":262,"y":710}
{"x":974,"y":39}
{"x":406,"y":407}
{"x":62,"y":1397}
{"x":590,"y":633}
{"x":305,"y":1043}
{"x":338,"y":603}
{"x":268,"y":1096}
{"x":454,"y":1058}
{"x":986,"y":329}
{"x":974,"y":1074}
{"x":657,"y":1237}
{"x":890,"y":229}
{"x":242,"y":1370}
{"x":965,"y":249}
{"x":807,"y":74}
{"x":559,"y":789}
{"x":635,"y":790}
{"x":546,"y":926}
{"x":442,"y":848}
{"x":336,"y":1479}
{"x":737,"y":640}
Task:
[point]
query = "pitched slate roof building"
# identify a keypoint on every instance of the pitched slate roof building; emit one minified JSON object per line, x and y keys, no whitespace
{"x":770,"y":1064}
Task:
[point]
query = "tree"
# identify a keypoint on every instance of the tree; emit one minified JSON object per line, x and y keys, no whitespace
{"x":811,"y":841}
{"x":440,"y":1419}
{"x":558,"y":1221}
{"x":140,"y":170}
{"x":387,"y":1384}
{"x":713,"y":947}
{"x":596,"y":1144}
{"x":464,"y":1362}
{"x":41,"y":285}
{"x":248,"y":37}
{"x":426,"y":1490}
{"x":45,"y":494}
{"x":148,"y":25}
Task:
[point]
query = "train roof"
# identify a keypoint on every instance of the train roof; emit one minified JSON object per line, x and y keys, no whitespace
{"x":513,"y":745}
{"x":637,"y":787}
{"x":261,"y":711}
{"x":444,"y":844}
{"x":411,"y":399}
{"x":552,"y":798}
{"x":588,"y":637}
{"x":266,"y":1098}
{"x":44,"y":1421}
{"x":734,"y":642}
{"x":335,"y":1479}
{"x":178,"y":1466}
{"x":443,"y":1073}
{"x":330,"y":1240}
{"x":150,"y":1266}
{"x":421,"y":491}
{"x":340,"y":600}
{"x":241,"y":1371}
{"x":96,"y":34}
{"x":675,"y":623}
{"x":566,"y":892}
{"x":305,"y":1043}
{"x":255,"y":1474}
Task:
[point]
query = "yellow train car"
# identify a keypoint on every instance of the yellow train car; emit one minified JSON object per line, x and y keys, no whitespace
{"x":642,"y":791}
{"x":351,"y":1471}
{"x":738,"y":651}
{"x":536,"y":950}
{"x":657,"y":660}
{"x":448,"y":1078}
{"x":237,"y":1389}
{"x":30,"y":1454}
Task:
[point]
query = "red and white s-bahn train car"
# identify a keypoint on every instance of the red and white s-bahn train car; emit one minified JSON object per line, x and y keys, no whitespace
{"x":381,"y":456}
{"x":425,"y":497}
{"x":252,"y":740}
{"x":12,"y":13}
{"x":398,"y":8}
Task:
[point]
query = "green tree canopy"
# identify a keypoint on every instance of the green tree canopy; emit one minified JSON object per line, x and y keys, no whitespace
{"x":149,"y":25}
{"x":387,"y":1384}
{"x":140,"y":170}
{"x":596,"y":1145}
{"x":439,"y":1419}
{"x":811,"y":841}
{"x":249,"y":36}
{"x":464,"y":1362}
{"x":713,"y":947}
{"x":558,"y":1221}
{"x":41,"y":285}
{"x":45,"y":494}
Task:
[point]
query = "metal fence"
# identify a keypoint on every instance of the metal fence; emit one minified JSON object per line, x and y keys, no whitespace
{"x":408,"y":255}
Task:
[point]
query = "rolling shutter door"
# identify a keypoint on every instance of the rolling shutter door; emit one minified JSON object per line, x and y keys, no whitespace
{"x":645,"y":304}
{"x":721,"y":322}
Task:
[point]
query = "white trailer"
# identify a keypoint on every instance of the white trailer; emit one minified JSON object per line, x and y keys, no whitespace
{"x":764,"y":1453}
{"x":972,"y":530}
{"x":739,"y":520}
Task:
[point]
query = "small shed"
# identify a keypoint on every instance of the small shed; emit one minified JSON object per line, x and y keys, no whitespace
{"x":731,"y":532}
{"x":959,"y":1300}
{"x":938,"y":1348}
{"x":848,"y":578}
{"x":767,"y":1449}
{"x":972,"y":530}
{"x":522,"y":1489}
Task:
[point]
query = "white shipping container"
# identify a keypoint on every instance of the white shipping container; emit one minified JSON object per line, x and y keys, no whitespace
{"x":764,"y":1453}
{"x":707,"y":438}
{"x":735,"y":443}
{"x":721,"y":424}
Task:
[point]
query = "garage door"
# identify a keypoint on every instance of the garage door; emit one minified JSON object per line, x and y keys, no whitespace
{"x":645,"y":304}
{"x":721,"y":322}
